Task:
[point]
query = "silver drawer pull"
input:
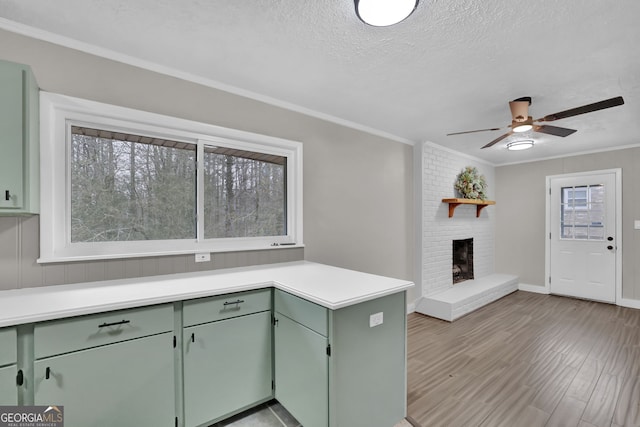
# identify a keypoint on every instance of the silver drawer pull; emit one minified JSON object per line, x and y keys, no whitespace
{"x":240,"y":301}
{"x":122,"y":322}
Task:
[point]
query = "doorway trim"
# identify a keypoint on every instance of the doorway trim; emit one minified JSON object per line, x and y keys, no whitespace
{"x":547,"y":246}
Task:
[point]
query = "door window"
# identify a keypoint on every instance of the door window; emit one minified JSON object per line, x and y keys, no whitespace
{"x":582,"y":212}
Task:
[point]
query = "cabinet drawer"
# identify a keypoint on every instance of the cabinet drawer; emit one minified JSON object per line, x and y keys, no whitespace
{"x":63,"y":336}
{"x":204,"y":310}
{"x":311,"y":315}
{"x":8,"y":352}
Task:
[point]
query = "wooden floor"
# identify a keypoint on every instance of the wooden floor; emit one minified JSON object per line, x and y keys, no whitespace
{"x":526,"y":360}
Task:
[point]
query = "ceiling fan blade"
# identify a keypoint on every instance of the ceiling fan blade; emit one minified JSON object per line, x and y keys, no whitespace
{"x":472,"y":131}
{"x":607,"y":103}
{"x":554,"y":130}
{"x":498,"y":139}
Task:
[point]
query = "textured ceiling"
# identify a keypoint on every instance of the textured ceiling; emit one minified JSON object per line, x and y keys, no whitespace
{"x":451,"y":66}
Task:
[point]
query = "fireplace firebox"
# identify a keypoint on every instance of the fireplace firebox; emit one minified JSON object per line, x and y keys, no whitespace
{"x":462,"y":268}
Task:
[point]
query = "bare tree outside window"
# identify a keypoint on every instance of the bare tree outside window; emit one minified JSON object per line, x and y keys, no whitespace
{"x":129,"y":187}
{"x":244,"y":197}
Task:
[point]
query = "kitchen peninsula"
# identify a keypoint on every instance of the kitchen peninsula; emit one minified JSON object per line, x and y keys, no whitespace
{"x":191,"y":349}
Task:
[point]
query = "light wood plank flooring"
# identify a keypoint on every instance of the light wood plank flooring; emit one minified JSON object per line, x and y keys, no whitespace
{"x":527,"y":360}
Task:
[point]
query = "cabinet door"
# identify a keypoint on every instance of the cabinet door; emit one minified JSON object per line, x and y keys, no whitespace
{"x":301,"y":372}
{"x":11,"y":135}
{"x":128,"y":384}
{"x":227,"y":367}
{"x":8,"y":391}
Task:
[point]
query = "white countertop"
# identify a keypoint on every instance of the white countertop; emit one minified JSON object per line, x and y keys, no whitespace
{"x":331,"y":287}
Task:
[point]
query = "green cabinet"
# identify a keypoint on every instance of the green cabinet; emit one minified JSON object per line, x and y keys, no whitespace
{"x":301,"y":372}
{"x":193,"y":363}
{"x":227,"y":363}
{"x":301,"y":350}
{"x":8,"y":392}
{"x":19,"y":140}
{"x":8,"y":367}
{"x":341,"y":367}
{"x":104,"y":372}
{"x":367,"y":367}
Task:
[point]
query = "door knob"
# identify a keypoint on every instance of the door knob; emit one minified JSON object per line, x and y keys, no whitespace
{"x":610,"y":238}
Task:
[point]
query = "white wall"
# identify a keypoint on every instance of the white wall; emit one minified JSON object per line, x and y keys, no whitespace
{"x":522,"y":197}
{"x":358,"y":205}
{"x":436,"y":171}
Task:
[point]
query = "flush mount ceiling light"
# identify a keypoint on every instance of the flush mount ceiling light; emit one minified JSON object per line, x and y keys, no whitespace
{"x":525,"y":144}
{"x":382,"y":13}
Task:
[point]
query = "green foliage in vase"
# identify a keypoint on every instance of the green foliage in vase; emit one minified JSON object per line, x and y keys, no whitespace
{"x":470,"y":184}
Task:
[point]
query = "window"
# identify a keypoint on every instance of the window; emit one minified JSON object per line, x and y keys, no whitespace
{"x":244,"y":193}
{"x":582,"y":212}
{"x":123,"y":183}
{"x":127,"y":187}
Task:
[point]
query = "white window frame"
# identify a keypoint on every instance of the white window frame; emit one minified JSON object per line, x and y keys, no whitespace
{"x":58,"y":112}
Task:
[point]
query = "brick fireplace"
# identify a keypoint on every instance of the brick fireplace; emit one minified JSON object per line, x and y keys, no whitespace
{"x":476,"y":283}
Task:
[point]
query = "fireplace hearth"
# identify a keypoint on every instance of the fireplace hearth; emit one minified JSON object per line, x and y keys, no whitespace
{"x":462,"y":268}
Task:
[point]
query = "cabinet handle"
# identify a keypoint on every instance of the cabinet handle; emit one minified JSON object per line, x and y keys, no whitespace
{"x":236,"y":302}
{"x":193,"y":337}
{"x":20,"y":378}
{"x":122,"y":322}
{"x":47,"y":373}
{"x":7,"y":196}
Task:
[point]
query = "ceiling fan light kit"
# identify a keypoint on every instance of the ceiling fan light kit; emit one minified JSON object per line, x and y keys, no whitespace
{"x":382,"y":13}
{"x":522,"y":122}
{"x":525,"y":144}
{"x":521,"y":127}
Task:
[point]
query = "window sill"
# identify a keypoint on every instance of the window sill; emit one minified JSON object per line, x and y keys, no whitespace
{"x":103,"y":257}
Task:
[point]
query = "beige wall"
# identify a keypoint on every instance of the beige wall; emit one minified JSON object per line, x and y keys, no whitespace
{"x":357,"y":186}
{"x":520,"y":214}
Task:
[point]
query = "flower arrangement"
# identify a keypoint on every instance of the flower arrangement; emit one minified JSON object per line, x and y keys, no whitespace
{"x":470,"y":184}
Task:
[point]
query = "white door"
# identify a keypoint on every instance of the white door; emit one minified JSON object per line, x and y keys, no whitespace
{"x":583,"y":241}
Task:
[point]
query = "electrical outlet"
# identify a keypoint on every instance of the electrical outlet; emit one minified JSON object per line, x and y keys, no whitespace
{"x":203,"y":257}
{"x":636,"y":224}
{"x":375,"y":319}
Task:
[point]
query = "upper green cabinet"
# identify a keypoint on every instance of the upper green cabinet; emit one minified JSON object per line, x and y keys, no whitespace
{"x":19,"y":140}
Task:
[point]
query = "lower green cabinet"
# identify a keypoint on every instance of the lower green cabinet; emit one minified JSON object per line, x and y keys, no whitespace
{"x":301,"y":372}
{"x":8,"y":367}
{"x":227,"y":367}
{"x":343,"y":367}
{"x":193,"y":363}
{"x":126,"y":384}
{"x":367,"y":367}
{"x":8,"y":392}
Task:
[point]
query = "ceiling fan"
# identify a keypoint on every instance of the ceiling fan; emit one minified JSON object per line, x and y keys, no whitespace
{"x":521,"y":120}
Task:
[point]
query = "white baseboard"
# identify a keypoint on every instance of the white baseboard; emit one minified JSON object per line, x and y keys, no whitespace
{"x":624,"y":302}
{"x":532,"y":288}
{"x":631,"y":303}
{"x":411,"y":307}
